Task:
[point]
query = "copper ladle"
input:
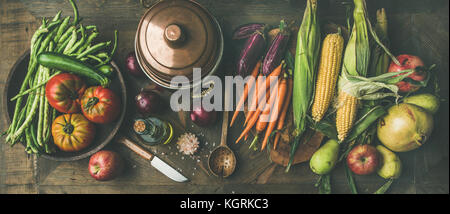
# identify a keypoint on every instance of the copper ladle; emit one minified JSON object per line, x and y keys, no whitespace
{"x":222,"y":160}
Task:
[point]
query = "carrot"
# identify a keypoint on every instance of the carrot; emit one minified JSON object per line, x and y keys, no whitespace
{"x":251,"y":109}
{"x":282,"y":88}
{"x":255,"y":116}
{"x":261,"y":89}
{"x":247,"y":87}
{"x":283,"y":112}
{"x":261,"y":124}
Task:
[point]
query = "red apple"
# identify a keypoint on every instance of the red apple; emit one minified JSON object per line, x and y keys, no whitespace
{"x":409,"y":62}
{"x":105,"y":165}
{"x":363,"y":159}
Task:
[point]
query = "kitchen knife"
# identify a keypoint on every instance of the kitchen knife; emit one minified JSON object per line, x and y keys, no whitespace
{"x":154,"y":161}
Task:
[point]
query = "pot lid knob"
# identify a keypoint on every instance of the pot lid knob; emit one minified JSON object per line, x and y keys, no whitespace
{"x":174,"y":35}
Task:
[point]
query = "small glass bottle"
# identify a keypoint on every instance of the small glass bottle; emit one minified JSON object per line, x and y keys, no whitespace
{"x":153,"y":130}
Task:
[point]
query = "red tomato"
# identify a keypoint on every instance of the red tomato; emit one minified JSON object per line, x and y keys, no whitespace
{"x":63,"y":92}
{"x":100,"y":105}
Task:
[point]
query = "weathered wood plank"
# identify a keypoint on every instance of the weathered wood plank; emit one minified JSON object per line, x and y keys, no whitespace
{"x":16,"y":27}
{"x":413,"y":29}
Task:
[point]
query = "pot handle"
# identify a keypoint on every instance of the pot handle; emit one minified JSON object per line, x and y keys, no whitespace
{"x":135,"y":148}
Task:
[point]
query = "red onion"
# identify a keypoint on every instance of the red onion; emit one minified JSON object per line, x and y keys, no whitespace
{"x":133,"y":65}
{"x":148,"y":102}
{"x":202,"y":117}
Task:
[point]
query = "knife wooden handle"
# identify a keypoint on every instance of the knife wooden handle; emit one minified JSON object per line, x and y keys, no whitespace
{"x":135,"y":148}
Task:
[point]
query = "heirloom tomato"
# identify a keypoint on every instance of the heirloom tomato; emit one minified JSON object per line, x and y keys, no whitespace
{"x":72,"y":132}
{"x":100,"y":105}
{"x":63,"y":92}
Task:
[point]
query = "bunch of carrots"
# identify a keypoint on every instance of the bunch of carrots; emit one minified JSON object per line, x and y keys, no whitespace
{"x":266,"y":115}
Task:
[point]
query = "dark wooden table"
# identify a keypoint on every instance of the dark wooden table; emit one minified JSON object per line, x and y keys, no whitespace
{"x":416,"y":27}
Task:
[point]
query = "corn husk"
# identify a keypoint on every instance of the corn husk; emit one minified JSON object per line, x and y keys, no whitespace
{"x":380,"y":60}
{"x":371,"y":88}
{"x":357,"y":52}
{"x":306,"y":62}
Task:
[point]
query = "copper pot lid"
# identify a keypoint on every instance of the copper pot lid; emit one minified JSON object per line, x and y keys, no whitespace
{"x":175,"y":36}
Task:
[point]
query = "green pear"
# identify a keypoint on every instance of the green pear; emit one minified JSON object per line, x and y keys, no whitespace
{"x":391,"y":166}
{"x":427,"y":101}
{"x":405,"y":127}
{"x":324,"y":159}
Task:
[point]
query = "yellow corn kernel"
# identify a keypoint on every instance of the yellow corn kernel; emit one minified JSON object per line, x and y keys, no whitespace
{"x":345,"y":114}
{"x":330,"y":64}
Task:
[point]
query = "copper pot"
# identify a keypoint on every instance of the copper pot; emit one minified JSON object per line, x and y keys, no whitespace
{"x":176,"y":36}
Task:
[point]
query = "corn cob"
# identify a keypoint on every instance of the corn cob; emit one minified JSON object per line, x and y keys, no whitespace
{"x":355,"y":63}
{"x":346,"y":114}
{"x":330,"y":64}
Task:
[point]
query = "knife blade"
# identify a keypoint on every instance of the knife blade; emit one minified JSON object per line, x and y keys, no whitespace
{"x":156,"y":162}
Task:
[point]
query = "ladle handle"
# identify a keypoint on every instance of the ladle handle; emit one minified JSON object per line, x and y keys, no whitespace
{"x":135,"y":148}
{"x":223,"y":139}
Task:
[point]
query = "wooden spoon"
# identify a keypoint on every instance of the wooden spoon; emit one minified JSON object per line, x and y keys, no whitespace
{"x":222,"y":161}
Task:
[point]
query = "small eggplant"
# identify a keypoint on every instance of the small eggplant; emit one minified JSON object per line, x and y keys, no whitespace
{"x":277,"y":50}
{"x":251,"y":53}
{"x":245,"y":31}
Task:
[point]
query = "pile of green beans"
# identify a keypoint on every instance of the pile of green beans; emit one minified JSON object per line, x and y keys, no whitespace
{"x":33,"y":115}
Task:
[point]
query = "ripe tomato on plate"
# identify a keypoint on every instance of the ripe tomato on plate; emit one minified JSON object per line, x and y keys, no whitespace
{"x":64,"y":91}
{"x":100,"y":105}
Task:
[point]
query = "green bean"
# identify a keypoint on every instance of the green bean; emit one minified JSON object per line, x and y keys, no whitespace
{"x":66,"y":34}
{"x":30,"y":141}
{"x":36,"y":35}
{"x":46,"y":42}
{"x":53,"y":24}
{"x":75,"y":12}
{"x":31,"y":70}
{"x":46,"y":115}
{"x":112,"y":51}
{"x":20,"y":120}
{"x":88,"y":27}
{"x":57,"y":16}
{"x":62,"y":28}
{"x":34,"y":87}
{"x":61,"y":47}
{"x":94,"y":49}
{"x":116,"y":38}
{"x":72,"y":41}
{"x":40,"y":118}
{"x":102,"y":55}
{"x":94,"y":58}
{"x":33,"y":137}
{"x":28,"y":119}
{"x":80,"y":42}
{"x":88,"y":42}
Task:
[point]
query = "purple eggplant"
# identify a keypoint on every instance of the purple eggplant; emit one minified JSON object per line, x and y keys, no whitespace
{"x":276,"y":50}
{"x":245,"y":31}
{"x":251,"y":53}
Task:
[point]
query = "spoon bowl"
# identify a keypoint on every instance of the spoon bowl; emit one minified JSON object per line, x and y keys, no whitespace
{"x":222,"y":161}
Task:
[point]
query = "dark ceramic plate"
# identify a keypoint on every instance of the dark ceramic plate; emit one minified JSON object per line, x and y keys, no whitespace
{"x":104,"y":133}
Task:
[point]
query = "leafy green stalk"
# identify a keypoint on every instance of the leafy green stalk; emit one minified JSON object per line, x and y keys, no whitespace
{"x":350,"y":180}
{"x":385,"y":187}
